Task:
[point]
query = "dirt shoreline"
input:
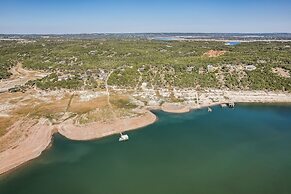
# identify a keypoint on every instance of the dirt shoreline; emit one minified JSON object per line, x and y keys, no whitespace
{"x":36,"y":139}
{"x":232,"y":97}
{"x":174,"y":108}
{"x":98,"y":130}
{"x":37,"y":134}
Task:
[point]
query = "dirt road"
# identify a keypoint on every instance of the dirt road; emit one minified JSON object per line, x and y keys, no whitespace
{"x":19,"y":77}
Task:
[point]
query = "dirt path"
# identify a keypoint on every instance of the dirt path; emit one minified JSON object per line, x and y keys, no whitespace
{"x":107,"y":89}
{"x":109,"y":103}
{"x":108,"y":95}
{"x":19,"y":77}
{"x":139,"y":81}
{"x":70,"y":102}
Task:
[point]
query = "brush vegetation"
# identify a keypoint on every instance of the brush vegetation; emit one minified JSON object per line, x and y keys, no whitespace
{"x":84,"y":64}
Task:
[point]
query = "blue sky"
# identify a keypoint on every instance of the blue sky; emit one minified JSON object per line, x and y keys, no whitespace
{"x":88,"y":16}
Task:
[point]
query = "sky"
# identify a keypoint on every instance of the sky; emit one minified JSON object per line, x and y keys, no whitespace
{"x":139,"y":16}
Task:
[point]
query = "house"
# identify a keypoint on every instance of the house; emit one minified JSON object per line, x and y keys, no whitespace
{"x":141,"y":69}
{"x":210,"y":68}
{"x":189,"y":69}
{"x":201,"y":70}
{"x":144,"y":86}
{"x":250,"y":67}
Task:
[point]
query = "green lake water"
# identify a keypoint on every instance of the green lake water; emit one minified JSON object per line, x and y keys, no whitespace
{"x":246,"y":150}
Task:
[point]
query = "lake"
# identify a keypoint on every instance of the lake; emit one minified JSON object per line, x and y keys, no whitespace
{"x":246,"y":150}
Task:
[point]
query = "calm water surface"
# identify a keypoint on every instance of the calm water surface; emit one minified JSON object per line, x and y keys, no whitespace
{"x":246,"y":150}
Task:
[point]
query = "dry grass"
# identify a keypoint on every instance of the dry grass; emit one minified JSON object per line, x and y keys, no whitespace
{"x":84,"y":107}
{"x":5,"y":123}
{"x":104,"y":115}
{"x":96,"y":110}
{"x":98,"y":115}
{"x":12,"y":98}
{"x":38,"y":108}
{"x":117,"y":102}
{"x":213,"y":53}
{"x":121,"y":102}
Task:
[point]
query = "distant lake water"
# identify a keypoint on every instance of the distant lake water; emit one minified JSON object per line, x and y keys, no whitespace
{"x":246,"y":150}
{"x":166,"y":38}
{"x":232,"y":43}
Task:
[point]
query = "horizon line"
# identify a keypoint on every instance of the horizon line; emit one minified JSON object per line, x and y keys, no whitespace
{"x":88,"y":33}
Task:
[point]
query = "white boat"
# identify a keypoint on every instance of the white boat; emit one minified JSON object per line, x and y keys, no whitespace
{"x":223,"y":105}
{"x":123,"y":137}
{"x":209,"y":109}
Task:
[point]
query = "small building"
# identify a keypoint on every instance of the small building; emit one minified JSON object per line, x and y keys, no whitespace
{"x":144,"y":86}
{"x":201,"y":70}
{"x":210,"y":68}
{"x":189,"y":69}
{"x":89,"y":73}
{"x":141,"y":69}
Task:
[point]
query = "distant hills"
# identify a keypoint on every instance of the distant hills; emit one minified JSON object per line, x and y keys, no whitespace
{"x":165,"y":36}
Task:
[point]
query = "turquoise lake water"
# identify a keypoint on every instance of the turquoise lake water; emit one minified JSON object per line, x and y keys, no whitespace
{"x":246,"y":150}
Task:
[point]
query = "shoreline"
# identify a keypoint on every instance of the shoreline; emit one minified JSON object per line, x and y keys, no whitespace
{"x":38,"y":135}
{"x":96,"y":130}
{"x":226,"y":97}
{"x":37,"y":138}
{"x":181,"y":111}
{"x":177,"y":108}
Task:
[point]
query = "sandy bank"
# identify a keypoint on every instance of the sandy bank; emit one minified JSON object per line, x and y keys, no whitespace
{"x":34,"y":139}
{"x":98,"y":130}
{"x":175,"y":108}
